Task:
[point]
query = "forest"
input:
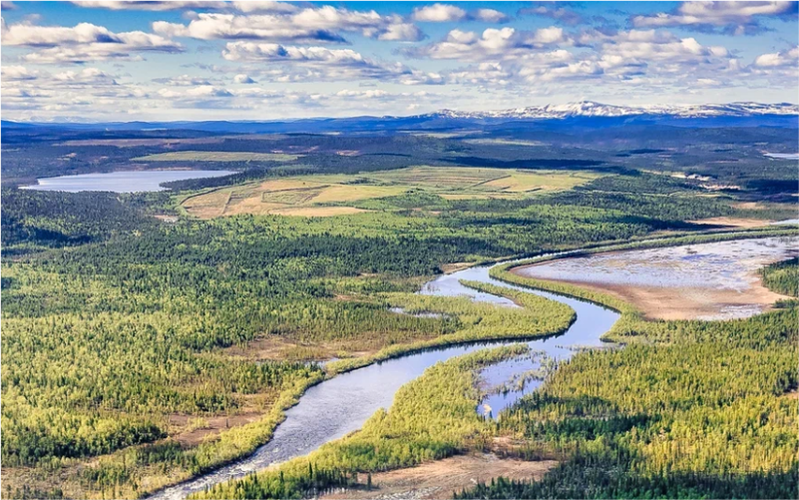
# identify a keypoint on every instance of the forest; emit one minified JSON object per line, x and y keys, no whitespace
{"x":782,"y":277}
{"x":144,"y":346}
{"x":687,"y":409}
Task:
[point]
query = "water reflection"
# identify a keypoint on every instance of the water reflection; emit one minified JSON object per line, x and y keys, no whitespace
{"x":121,"y":182}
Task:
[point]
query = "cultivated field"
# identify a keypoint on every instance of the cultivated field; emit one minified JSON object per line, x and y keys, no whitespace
{"x":327,"y":195}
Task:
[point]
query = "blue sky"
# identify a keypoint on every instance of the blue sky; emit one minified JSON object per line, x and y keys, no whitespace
{"x":191,"y":60}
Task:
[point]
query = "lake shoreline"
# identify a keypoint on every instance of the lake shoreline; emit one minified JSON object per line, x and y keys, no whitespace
{"x":122,"y":181}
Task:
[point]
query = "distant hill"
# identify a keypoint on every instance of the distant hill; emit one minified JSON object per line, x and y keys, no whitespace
{"x":585,"y":114}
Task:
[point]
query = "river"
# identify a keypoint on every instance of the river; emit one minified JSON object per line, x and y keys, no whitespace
{"x":340,"y":405}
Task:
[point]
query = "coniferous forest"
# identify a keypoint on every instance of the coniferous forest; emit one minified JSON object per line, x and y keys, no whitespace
{"x":148,"y":338}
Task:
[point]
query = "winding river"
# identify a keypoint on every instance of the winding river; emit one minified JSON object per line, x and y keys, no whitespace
{"x":340,"y":405}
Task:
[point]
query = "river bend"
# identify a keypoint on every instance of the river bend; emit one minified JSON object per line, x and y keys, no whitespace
{"x":340,"y":405}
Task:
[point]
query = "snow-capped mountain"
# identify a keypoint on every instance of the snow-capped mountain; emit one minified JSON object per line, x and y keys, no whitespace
{"x":595,"y":109}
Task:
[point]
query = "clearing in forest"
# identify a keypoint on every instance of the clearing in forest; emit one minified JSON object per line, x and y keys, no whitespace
{"x":503,"y":142}
{"x":329,"y":195}
{"x":221,"y":156}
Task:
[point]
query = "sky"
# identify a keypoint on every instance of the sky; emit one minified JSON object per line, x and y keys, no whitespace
{"x":268,"y":60}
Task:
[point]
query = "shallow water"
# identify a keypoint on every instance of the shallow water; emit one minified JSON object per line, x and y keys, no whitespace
{"x":591,"y":323}
{"x":121,"y":182}
{"x":727,"y":265}
{"x":340,"y":405}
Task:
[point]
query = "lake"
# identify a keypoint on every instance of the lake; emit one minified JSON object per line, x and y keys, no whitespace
{"x":783,"y":156}
{"x":121,"y":182}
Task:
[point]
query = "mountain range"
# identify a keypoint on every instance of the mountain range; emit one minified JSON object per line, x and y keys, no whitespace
{"x":596,"y":109}
{"x":584,"y":114}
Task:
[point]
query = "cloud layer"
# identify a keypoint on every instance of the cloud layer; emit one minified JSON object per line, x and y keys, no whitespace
{"x":217,"y":57}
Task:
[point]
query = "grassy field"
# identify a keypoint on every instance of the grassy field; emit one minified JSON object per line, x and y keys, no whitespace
{"x":503,"y":142}
{"x":543,"y":180}
{"x":221,"y":156}
{"x":307,"y":195}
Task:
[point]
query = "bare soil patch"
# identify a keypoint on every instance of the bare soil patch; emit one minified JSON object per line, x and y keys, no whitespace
{"x":194,"y":430}
{"x":170,"y":219}
{"x":456,"y":266}
{"x":749,"y":205}
{"x":276,"y":348}
{"x":439,"y":479}
{"x":671,"y":303}
{"x":731,"y":222}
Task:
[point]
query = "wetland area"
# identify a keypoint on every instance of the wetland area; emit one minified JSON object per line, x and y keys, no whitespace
{"x":704,"y":281}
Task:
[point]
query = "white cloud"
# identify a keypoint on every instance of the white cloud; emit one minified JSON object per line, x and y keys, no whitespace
{"x":210,"y":26}
{"x":786,"y":58}
{"x":490,"y":16}
{"x":151,"y":5}
{"x":655,"y":46}
{"x":51,"y":36}
{"x":444,"y":13}
{"x":319,"y":63}
{"x":731,"y":17}
{"x":779,"y":69}
{"x":362,"y":94}
{"x":18,"y":73}
{"x":63,"y":90}
{"x":250,"y":51}
{"x":492,"y":44}
{"x":560,"y":14}
{"x":493,"y":74}
{"x":183,"y":81}
{"x":81,"y":43}
{"x":513,"y":59}
{"x":208,"y":91}
{"x":241,"y":78}
{"x":549,"y":35}
{"x":321,"y":24}
{"x":399,"y":32}
{"x":87,"y":76}
{"x":280,"y":44}
{"x":160,"y":6}
{"x":438,"y":13}
{"x":264,"y":6}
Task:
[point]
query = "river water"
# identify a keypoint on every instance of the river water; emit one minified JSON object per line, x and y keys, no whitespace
{"x":340,"y":405}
